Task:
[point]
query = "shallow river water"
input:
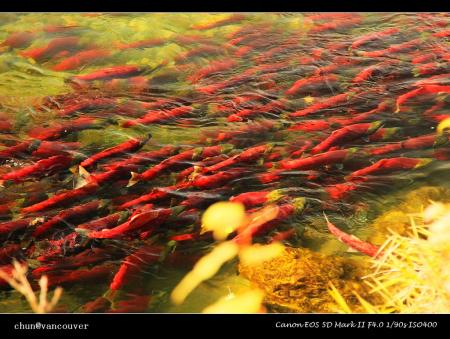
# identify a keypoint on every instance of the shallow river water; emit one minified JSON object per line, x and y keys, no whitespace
{"x":340,"y":109}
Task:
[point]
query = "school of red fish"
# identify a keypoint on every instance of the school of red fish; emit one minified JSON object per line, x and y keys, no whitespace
{"x":323,"y":115}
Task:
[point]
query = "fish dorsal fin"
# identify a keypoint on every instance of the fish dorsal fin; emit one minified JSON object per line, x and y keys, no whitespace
{"x":82,"y":177}
{"x":83,"y":172}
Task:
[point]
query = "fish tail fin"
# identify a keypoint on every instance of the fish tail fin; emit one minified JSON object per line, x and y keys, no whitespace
{"x":134,"y":179}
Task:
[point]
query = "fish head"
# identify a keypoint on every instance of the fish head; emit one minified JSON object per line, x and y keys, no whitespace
{"x":143,"y":218}
{"x":275,"y":195}
{"x":226,"y":148}
{"x":299,"y":204}
{"x":374,"y":126}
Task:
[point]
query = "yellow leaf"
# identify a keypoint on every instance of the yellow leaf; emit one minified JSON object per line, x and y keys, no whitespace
{"x":257,"y":254}
{"x":443,"y":125}
{"x":223,"y":218}
{"x":204,"y":269}
{"x":248,"y":302}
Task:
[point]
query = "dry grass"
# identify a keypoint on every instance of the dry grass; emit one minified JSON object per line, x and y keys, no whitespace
{"x":413,"y":274}
{"x":222,"y":219}
{"x":18,"y":280}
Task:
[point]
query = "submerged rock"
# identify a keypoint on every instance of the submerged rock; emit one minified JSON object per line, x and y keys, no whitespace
{"x":398,"y":219}
{"x":298,"y":281}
